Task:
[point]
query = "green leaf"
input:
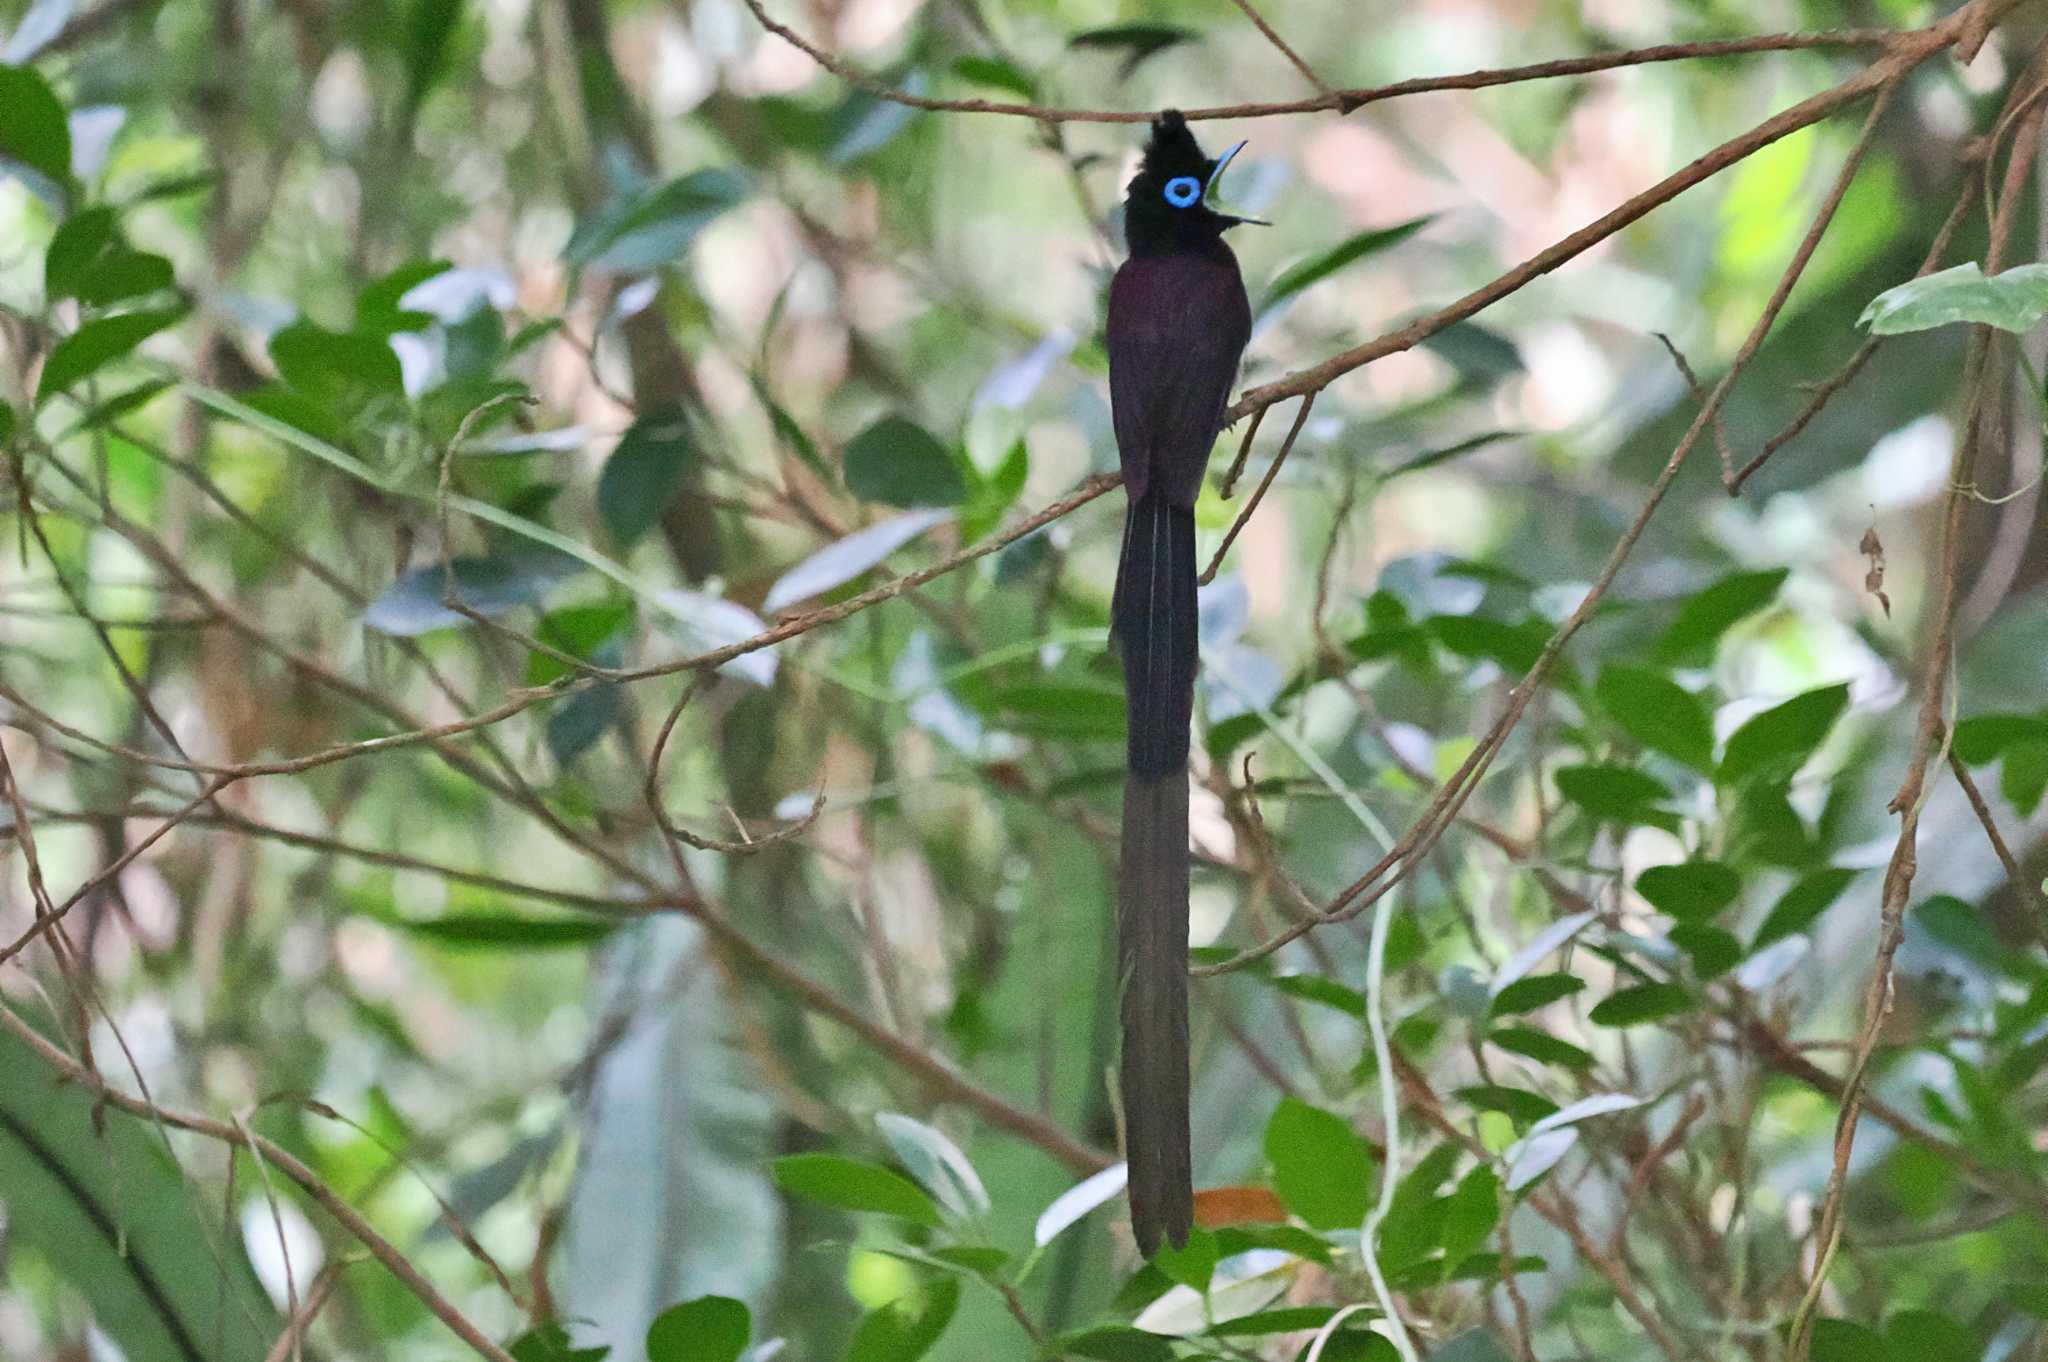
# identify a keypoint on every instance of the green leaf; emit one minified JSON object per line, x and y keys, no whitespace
{"x":1777,"y":742}
{"x":1540,"y":1046}
{"x":645,"y":472}
{"x":1348,"y":252}
{"x":1983,"y":738}
{"x":996,"y":72}
{"x":35,"y":131}
{"x":412,"y":605}
{"x":1078,"y":713}
{"x":2014,"y":300}
{"x":789,"y":431}
{"x":1514,"y":646}
{"x":854,"y":1185}
{"x":339,"y":369}
{"x":937,"y":1164}
{"x":1801,"y":904}
{"x":1077,"y":1202}
{"x":906,"y":1329}
{"x":1620,"y":793}
{"x":1193,"y":1263}
{"x":899,"y":463}
{"x":1930,"y":1336}
{"x":1713,"y":951}
{"x":1430,"y":458}
{"x":97,"y":344}
{"x":1690,"y":889}
{"x":707,"y":1329}
{"x":1315,"y":988}
{"x":1643,"y":1003}
{"x":377,"y":307}
{"x":1358,"y":1345}
{"x":1473,"y":1211}
{"x":1765,"y":828}
{"x":1322,"y":1169}
{"x":2028,"y":1297}
{"x":1658,"y":713}
{"x":550,"y":1343}
{"x":588,"y":632}
{"x":576,"y":724}
{"x":80,"y":240}
{"x":123,"y":274}
{"x":1524,"y":1107}
{"x":979,"y":1259}
{"x":995,"y":494}
{"x":652,"y":228}
{"x":1113,"y":1343}
{"x":2023,"y":776}
{"x":428,"y":26}
{"x":1961,"y":928}
{"x":1135,"y":42}
{"x":504,"y":931}
{"x":1482,"y":357}
{"x":1477,"y":1345}
{"x":1537,"y":990}
{"x":843,"y":560}
{"x":1840,"y":1340}
{"x":1709,"y":613}
{"x":868,"y":122}
{"x":1286,"y":1319}
{"x":7,"y":422}
{"x":92,"y":1195}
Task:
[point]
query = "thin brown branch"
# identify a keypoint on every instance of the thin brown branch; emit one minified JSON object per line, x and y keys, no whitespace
{"x":1824,"y":392}
{"x":2029,"y":892}
{"x":1294,"y":58}
{"x":1699,"y":394}
{"x":289,"y":1342}
{"x":1259,"y":492}
{"x":1342,"y":101}
{"x":651,"y":791}
{"x":316,"y":1299}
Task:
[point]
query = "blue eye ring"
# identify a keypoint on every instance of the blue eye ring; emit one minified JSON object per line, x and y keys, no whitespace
{"x":1183,"y":191}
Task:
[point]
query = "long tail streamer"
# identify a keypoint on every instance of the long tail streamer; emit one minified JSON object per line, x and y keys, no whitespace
{"x":1154,"y":621}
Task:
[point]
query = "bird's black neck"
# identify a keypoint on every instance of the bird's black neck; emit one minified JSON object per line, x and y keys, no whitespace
{"x":1199,"y":242}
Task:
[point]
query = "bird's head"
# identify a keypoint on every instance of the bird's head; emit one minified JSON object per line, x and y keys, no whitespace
{"x":1166,"y":205}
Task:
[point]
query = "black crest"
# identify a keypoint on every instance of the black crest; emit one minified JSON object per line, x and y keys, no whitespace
{"x":1163,"y":204}
{"x":1173,"y":150}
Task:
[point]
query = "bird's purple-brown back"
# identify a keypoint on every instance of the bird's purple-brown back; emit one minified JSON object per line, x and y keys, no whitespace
{"x":1178,"y":324}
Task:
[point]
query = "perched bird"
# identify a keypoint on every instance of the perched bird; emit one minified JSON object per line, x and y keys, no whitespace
{"x":1178,"y":323}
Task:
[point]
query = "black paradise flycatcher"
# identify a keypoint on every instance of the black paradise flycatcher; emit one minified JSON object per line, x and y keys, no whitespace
{"x":1178,"y":323}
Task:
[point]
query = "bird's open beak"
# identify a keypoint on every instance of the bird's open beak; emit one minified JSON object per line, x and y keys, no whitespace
{"x":1221,"y":162}
{"x":1216,"y":175}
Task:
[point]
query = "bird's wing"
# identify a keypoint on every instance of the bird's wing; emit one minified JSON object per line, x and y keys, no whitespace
{"x":1177,"y":329}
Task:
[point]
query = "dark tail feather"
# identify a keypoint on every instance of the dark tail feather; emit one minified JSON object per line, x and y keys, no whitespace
{"x":1152,"y":938}
{"x":1154,"y":622}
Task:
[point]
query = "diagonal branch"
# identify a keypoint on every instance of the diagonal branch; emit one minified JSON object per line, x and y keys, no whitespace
{"x":1293,"y":57}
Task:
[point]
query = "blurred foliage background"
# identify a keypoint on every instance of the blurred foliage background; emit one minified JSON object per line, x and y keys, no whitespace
{"x":367,"y":367}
